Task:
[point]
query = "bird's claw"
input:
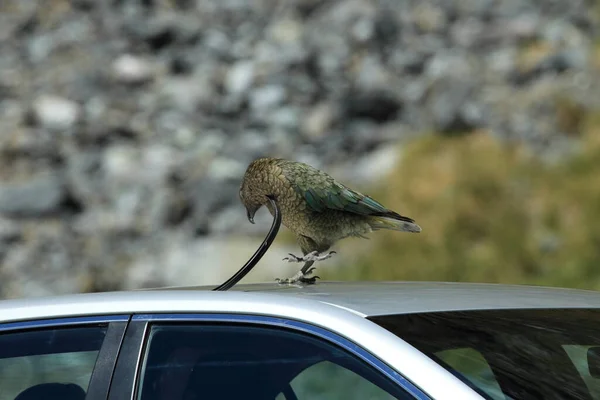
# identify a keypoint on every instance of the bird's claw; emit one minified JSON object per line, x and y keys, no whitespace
{"x":292,"y":258}
{"x":310,"y":271}
{"x":312,"y":256}
{"x":299,"y":279}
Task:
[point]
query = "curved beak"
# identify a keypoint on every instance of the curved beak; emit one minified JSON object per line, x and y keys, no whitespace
{"x":250,"y":215}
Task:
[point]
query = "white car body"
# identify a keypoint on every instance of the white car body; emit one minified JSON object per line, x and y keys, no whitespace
{"x":340,"y":308}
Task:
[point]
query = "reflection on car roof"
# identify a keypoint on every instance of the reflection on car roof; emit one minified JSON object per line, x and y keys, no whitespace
{"x":381,"y":298}
{"x":361,"y":298}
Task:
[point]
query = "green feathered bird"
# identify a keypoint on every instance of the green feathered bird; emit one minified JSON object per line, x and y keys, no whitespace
{"x":318,"y":209}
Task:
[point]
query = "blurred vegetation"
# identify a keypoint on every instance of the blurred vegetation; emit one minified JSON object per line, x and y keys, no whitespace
{"x":490,"y":212}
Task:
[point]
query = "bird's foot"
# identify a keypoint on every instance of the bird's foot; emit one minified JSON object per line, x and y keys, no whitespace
{"x":299,"y":279}
{"x":312,"y":256}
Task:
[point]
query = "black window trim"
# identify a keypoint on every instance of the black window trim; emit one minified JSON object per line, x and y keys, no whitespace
{"x":129,"y":364}
{"x":104,"y":367}
{"x":106,"y":361}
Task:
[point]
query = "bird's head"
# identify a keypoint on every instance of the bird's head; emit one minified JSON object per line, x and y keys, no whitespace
{"x":254,"y":190}
{"x":251,"y":197}
{"x":247,"y":200}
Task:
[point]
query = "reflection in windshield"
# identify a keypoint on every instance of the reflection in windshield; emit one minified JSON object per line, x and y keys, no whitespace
{"x":510,"y":354}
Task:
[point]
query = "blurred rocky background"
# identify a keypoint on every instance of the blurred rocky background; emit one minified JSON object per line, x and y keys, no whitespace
{"x":126,"y":126}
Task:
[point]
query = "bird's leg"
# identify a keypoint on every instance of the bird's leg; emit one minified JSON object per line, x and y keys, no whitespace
{"x":312,"y":256}
{"x":301,"y":277}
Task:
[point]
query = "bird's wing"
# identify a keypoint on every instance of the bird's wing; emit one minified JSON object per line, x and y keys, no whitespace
{"x":335,"y":196}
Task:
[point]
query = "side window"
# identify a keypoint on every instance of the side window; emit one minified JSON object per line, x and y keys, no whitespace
{"x":328,"y":380}
{"x":579,"y":356}
{"x":471,"y":363}
{"x":50,"y":364}
{"x":238,"y":361}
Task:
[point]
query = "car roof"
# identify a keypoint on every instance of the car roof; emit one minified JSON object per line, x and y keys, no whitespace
{"x":362,"y":298}
{"x":382,"y":298}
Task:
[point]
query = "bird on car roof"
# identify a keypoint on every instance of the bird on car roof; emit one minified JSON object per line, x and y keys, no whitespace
{"x":318,"y":209}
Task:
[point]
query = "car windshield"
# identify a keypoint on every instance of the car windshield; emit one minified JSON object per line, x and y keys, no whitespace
{"x":511,"y":354}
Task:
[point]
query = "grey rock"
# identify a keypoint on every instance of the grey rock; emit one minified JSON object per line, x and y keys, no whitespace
{"x":561,"y":32}
{"x":556,"y":63}
{"x":10,"y":235}
{"x":267,"y":97}
{"x":449,"y":106}
{"x":318,"y":121}
{"x":20,"y":18}
{"x":372,"y":75}
{"x":468,"y":32}
{"x":166,"y":30}
{"x":188,"y":93}
{"x":285,"y":118}
{"x":211,"y":142}
{"x":387,"y":28}
{"x":502,"y":61}
{"x":512,"y":8}
{"x":10,"y":230}
{"x":363,"y":29}
{"x":567,"y":59}
{"x":221,"y":169}
{"x":523,"y":27}
{"x":39,"y":48}
{"x":429,"y":18}
{"x":475,"y":8}
{"x":34,"y":143}
{"x":45,"y":264}
{"x":120,"y":163}
{"x":443,"y":64}
{"x":208,"y":197}
{"x":217,"y":41}
{"x":130,"y":69}
{"x":36,"y":197}
{"x":227,"y":220}
{"x":414,"y":91}
{"x":409,"y":62}
{"x":55,"y":113}
{"x":286,"y":31}
{"x":343,"y":14}
{"x":83,"y":175}
{"x":158,"y":161}
{"x":255,"y":143}
{"x":157,"y":33}
{"x":368,"y":168}
{"x":84,"y":5}
{"x":239,"y":77}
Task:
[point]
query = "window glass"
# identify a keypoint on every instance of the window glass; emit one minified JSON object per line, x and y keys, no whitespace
{"x":472,"y":365}
{"x":524,"y":354}
{"x":327,"y":380}
{"x":48,"y":364}
{"x":579,"y":355}
{"x":232,"y":362}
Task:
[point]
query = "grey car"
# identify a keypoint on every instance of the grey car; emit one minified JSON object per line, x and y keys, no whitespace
{"x":327,"y":341}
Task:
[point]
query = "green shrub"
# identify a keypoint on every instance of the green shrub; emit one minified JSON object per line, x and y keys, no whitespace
{"x":490,"y":213}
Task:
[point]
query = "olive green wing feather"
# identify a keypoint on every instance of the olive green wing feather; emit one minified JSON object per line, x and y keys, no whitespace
{"x":332,"y":195}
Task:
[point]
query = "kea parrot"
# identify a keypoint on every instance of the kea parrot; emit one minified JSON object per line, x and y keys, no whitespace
{"x":318,"y":209}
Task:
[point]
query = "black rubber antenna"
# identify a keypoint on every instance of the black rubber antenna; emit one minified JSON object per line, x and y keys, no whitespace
{"x":260,"y":252}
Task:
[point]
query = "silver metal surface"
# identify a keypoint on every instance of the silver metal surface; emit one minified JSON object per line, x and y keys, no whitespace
{"x":412,"y":364}
{"x":381,"y":298}
{"x":338,"y":307}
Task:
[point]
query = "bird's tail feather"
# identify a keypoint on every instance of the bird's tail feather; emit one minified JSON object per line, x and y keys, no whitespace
{"x":404,"y":224}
